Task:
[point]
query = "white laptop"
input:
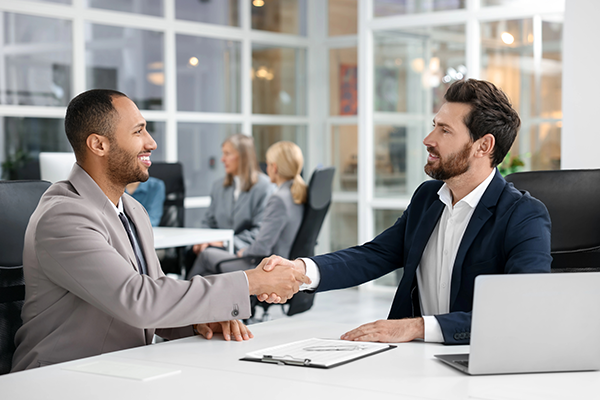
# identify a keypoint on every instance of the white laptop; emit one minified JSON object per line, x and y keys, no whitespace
{"x":56,"y":167}
{"x":533,"y":323}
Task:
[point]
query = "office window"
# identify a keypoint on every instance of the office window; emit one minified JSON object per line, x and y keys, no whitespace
{"x":390,"y":157}
{"x":343,"y":225}
{"x":158,"y":131}
{"x":128,"y":60}
{"x":278,"y":80}
{"x":283,"y":16}
{"x":37,"y":61}
{"x":199,"y":149}
{"x":147,"y":7}
{"x":55,"y":1}
{"x":266,"y":135}
{"x":222,"y":12}
{"x":344,"y":156}
{"x":208,"y":74}
{"x":343,"y":17}
{"x":25,"y":138}
{"x":384,"y":8}
{"x":343,"y":81}
{"x":383,"y":220}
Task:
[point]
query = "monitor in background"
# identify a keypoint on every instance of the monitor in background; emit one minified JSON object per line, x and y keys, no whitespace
{"x":56,"y":167}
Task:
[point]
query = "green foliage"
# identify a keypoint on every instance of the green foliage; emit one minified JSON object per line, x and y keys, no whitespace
{"x":510,"y":164}
{"x":13,"y":163}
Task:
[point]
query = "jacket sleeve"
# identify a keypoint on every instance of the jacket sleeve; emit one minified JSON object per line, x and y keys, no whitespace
{"x":77,"y":251}
{"x":274,"y":220}
{"x":261,"y":194}
{"x":527,"y":248}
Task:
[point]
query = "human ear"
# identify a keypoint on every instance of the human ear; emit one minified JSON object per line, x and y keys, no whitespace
{"x":97,"y":144}
{"x":485,"y":145}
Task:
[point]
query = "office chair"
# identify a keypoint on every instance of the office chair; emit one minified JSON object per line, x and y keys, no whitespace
{"x":315,"y":210}
{"x":572,"y":198}
{"x":173,"y":211}
{"x":18,"y":200}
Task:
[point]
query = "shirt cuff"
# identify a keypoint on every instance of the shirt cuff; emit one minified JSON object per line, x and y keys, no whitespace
{"x":313,"y":273}
{"x":433,"y":331}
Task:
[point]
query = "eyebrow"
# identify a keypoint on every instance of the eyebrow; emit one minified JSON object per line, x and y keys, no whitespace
{"x":441,"y":124}
{"x":139,"y":125}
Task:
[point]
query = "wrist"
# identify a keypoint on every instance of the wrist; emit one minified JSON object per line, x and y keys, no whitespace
{"x":251,"y":281}
{"x":299,"y":265}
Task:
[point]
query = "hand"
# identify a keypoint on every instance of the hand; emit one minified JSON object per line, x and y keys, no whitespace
{"x":388,"y":331}
{"x":228,"y":328}
{"x":240,"y":252}
{"x":269,"y":263}
{"x":282,"y":282}
{"x":199,"y":248}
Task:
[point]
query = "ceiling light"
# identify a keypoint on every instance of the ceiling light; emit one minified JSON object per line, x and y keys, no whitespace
{"x":258,"y":3}
{"x":194,"y":61}
{"x":507,"y":38}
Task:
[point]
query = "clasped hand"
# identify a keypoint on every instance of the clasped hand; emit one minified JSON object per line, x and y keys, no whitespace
{"x":275,"y":281}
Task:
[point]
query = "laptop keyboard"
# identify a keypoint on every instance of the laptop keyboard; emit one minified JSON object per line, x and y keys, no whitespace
{"x":464,"y":363}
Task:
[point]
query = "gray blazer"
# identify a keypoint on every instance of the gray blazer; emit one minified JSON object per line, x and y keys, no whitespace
{"x":84,"y":295}
{"x":244,"y":215}
{"x":279,"y":226}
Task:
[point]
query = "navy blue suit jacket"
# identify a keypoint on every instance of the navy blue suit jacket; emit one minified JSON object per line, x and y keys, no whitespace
{"x":509,"y":233}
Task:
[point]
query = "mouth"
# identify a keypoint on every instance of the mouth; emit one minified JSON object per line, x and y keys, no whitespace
{"x":145,"y":159}
{"x":432,"y":156}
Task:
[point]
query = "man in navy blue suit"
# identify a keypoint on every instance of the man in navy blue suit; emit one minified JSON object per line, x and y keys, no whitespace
{"x":466,"y":222}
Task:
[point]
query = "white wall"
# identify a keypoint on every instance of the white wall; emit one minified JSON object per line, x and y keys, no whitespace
{"x":581,"y":85}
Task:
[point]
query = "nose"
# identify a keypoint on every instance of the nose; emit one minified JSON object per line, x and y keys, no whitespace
{"x":150,"y":142}
{"x":428,"y":141}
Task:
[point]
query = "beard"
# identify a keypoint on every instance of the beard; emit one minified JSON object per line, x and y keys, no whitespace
{"x":124,"y":168}
{"x":454,"y":165}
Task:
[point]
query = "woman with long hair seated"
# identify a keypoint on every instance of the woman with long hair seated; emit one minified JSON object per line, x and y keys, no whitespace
{"x":282,"y":216}
{"x":237,"y":201}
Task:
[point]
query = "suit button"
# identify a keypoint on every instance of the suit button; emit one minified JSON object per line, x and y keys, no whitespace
{"x":456,"y":336}
{"x":235,"y":313}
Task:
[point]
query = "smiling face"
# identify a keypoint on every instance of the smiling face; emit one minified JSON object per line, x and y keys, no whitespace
{"x":130,"y":145}
{"x":230,"y":158}
{"x":449,"y":144}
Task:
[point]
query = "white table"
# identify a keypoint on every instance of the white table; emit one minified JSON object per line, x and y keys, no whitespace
{"x":210,"y":369}
{"x":176,"y":237}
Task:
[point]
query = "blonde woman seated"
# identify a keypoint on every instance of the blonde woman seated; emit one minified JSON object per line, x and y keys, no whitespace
{"x":282,"y":216}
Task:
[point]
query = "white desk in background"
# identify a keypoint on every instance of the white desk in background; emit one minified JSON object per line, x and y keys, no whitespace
{"x":210,"y":369}
{"x":165,"y":237}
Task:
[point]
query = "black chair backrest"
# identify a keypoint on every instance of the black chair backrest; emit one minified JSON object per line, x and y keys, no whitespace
{"x":18,"y":200}
{"x":315,"y":210}
{"x":172,"y":175}
{"x":572,"y":198}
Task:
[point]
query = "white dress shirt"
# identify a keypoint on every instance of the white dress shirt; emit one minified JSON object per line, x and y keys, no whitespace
{"x":434,"y":273}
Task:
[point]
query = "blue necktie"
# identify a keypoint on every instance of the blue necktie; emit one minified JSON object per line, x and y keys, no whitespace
{"x":136,"y":248}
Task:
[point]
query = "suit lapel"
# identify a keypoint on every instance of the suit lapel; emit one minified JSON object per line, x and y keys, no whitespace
{"x":144,"y":232}
{"x":422,"y":235}
{"x":480,"y":216}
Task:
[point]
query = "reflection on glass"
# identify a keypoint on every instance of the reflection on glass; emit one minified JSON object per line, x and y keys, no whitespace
{"x":222,"y":12}
{"x":157,"y":129}
{"x":344,"y":225}
{"x":199,"y":150}
{"x":409,"y":63}
{"x":383,"y":8}
{"x":40,"y":76}
{"x":343,"y":81}
{"x":390,"y":159}
{"x":208,"y":74}
{"x":343,"y":17}
{"x":551,"y":71}
{"x":278,"y":80}
{"x":508,"y":60}
{"x":24,"y":139}
{"x":545,"y":146}
{"x":266,"y":135}
{"x":383,"y":220}
{"x":147,"y":7}
{"x":283,"y":16}
{"x":344,"y":153}
{"x":128,"y":60}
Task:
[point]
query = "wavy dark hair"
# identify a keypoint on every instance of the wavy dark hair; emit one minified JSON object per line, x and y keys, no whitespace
{"x":491,"y":112}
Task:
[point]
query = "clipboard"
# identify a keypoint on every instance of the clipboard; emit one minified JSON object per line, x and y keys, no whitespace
{"x":317,"y":353}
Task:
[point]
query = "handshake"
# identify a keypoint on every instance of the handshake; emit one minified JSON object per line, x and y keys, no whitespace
{"x":276,"y":279}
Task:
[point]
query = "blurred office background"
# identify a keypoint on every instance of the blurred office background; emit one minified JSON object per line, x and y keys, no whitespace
{"x":355,"y":83}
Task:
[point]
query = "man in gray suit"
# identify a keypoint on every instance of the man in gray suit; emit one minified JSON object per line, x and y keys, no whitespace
{"x":93,"y":281}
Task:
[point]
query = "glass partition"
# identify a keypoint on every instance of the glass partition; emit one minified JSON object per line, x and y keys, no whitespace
{"x":343,"y":17}
{"x":344,"y":156}
{"x":384,"y":8}
{"x":266,"y":135}
{"x":283,"y":16}
{"x":147,"y":7}
{"x":343,"y":81}
{"x":222,"y":12}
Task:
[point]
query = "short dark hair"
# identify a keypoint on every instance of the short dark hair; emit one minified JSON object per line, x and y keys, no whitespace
{"x":90,"y":112}
{"x":491,"y":112}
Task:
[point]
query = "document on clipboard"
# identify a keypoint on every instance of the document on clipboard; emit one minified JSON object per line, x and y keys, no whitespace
{"x":317,"y":353}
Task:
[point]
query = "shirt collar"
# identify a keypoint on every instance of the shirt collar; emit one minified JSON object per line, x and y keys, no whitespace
{"x":473,"y":198}
{"x":119,"y":207}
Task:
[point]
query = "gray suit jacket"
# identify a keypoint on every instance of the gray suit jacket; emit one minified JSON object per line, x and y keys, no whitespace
{"x":242,"y":215}
{"x":282,"y":218}
{"x":84,"y":295}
